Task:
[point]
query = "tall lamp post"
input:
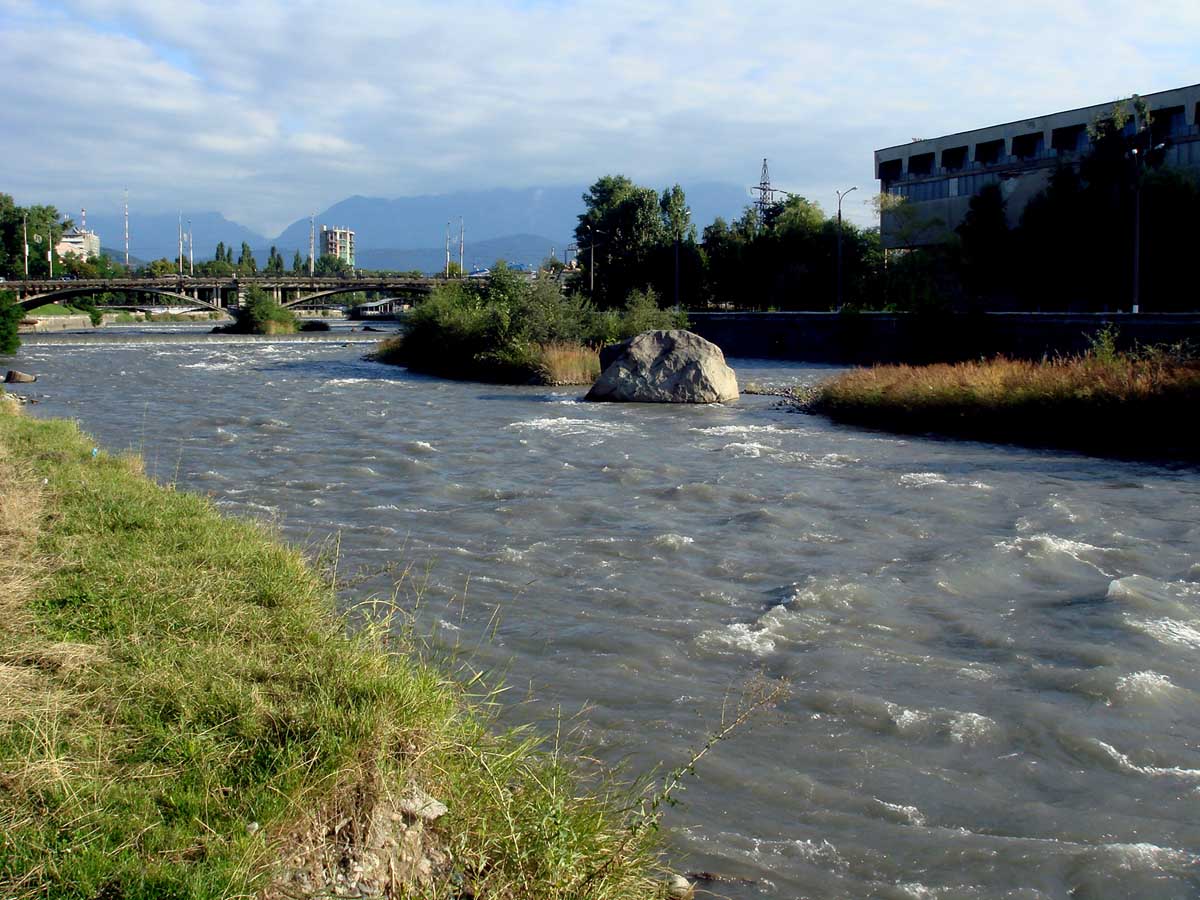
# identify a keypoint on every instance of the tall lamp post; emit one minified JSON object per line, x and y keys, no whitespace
{"x":592,"y":232}
{"x":840,"y":195}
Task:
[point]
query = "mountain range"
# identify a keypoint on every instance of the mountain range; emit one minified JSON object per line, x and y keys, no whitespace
{"x":521,"y":226}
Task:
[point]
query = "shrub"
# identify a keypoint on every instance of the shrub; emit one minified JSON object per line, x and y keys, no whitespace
{"x":261,"y":314}
{"x":10,"y":318}
{"x":513,"y":330}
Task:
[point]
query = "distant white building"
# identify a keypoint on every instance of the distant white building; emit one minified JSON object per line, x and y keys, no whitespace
{"x":338,"y":242}
{"x":80,"y":242}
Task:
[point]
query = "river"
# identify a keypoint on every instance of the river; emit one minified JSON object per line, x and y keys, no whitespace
{"x":992,"y":651}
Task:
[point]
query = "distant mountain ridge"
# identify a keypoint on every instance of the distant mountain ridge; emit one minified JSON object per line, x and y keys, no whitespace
{"x":521,"y":225}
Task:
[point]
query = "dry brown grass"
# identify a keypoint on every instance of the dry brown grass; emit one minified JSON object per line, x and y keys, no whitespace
{"x":1099,"y":402}
{"x":561,"y":364}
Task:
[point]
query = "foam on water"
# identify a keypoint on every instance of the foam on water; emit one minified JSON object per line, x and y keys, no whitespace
{"x":1125,"y":764}
{"x":1142,"y":686}
{"x":1049,"y":546}
{"x":672,"y":541}
{"x":931,"y":479}
{"x":1168,"y":631}
{"x":564,"y":426}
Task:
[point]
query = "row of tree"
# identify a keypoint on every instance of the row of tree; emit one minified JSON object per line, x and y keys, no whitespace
{"x":633,"y":238}
{"x":1076,"y":245}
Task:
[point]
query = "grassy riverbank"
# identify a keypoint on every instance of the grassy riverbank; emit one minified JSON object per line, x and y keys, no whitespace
{"x":1101,"y":402}
{"x":182,"y":715}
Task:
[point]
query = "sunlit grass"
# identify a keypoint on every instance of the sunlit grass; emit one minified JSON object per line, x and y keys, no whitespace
{"x":182,"y":712}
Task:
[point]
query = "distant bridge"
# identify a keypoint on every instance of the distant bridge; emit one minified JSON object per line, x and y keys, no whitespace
{"x":219,"y":293}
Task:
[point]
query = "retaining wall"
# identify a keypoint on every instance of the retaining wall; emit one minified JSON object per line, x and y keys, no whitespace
{"x":865,"y":338}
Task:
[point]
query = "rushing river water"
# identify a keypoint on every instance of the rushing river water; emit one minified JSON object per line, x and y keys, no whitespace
{"x":993,"y":651}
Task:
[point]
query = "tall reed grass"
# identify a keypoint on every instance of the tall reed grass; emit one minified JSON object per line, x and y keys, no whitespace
{"x":1101,"y":401}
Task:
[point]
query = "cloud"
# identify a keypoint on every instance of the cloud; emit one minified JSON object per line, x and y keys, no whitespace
{"x":267,"y":110}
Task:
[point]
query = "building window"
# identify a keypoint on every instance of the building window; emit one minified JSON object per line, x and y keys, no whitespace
{"x":1028,"y":146}
{"x":920,"y":164}
{"x":954,"y":159}
{"x":1069,"y":139}
{"x":891,"y":170}
{"x":1167,"y":123}
{"x":988,"y":153}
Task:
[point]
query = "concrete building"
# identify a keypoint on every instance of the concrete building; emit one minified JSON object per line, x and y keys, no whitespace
{"x":938,"y":176}
{"x":80,"y":242}
{"x":339,"y":242}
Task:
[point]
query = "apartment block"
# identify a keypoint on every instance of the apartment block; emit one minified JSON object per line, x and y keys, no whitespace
{"x":338,"y":241}
{"x":938,"y":176}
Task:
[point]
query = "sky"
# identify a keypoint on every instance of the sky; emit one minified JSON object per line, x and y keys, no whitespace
{"x":266,"y":111}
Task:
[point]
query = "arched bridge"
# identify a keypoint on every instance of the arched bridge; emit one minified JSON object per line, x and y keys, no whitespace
{"x":222,"y":292}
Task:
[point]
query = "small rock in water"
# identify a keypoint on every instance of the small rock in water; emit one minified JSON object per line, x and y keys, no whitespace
{"x":679,"y":888}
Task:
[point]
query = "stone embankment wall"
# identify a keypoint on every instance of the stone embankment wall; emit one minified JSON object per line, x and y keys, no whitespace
{"x":43,"y":324}
{"x":865,"y":338}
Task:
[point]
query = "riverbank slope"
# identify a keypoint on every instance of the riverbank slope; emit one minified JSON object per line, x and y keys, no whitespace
{"x":183,"y":715}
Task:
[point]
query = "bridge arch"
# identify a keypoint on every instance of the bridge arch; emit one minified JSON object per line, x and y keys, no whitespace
{"x":355,"y":289}
{"x":37,"y":300}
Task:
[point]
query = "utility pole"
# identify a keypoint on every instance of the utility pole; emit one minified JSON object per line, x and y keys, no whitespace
{"x":126,"y":228}
{"x":191,"y":251}
{"x":462,"y":231}
{"x":1137,"y":208}
{"x":446,"y":271}
{"x":312,"y":241}
{"x":181,"y":243}
{"x":25,"y":236}
{"x":840,"y":195}
{"x":677,"y":240}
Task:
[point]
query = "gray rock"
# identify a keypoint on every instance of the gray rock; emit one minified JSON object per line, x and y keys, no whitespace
{"x":679,"y":888}
{"x":664,"y":367}
{"x":15,"y":377}
{"x":420,"y":805}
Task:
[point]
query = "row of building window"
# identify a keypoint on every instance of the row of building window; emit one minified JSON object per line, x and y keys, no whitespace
{"x":941,"y":189}
{"x":1069,"y":139}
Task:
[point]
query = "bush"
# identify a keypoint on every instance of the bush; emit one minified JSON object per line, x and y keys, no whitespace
{"x":10,"y":318}
{"x":512,"y":330}
{"x":261,"y":314}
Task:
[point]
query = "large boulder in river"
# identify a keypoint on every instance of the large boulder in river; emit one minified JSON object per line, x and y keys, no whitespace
{"x":664,"y":367}
{"x":15,"y":377}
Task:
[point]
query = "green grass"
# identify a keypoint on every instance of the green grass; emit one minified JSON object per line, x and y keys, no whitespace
{"x":54,"y":309}
{"x":181,"y":711}
{"x":1103,"y":401}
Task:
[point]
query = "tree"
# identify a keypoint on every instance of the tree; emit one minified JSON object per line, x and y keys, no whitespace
{"x":261,"y":314}
{"x":986,"y":244}
{"x":298,"y":266}
{"x":10,"y":319}
{"x":622,"y":235}
{"x":160,"y":268}
{"x":330,"y":265}
{"x":246,"y":264}
{"x":219,"y":256}
{"x":274,"y":263}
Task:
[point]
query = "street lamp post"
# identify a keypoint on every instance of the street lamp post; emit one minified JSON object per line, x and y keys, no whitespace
{"x":592,"y":232}
{"x":840,"y":195}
